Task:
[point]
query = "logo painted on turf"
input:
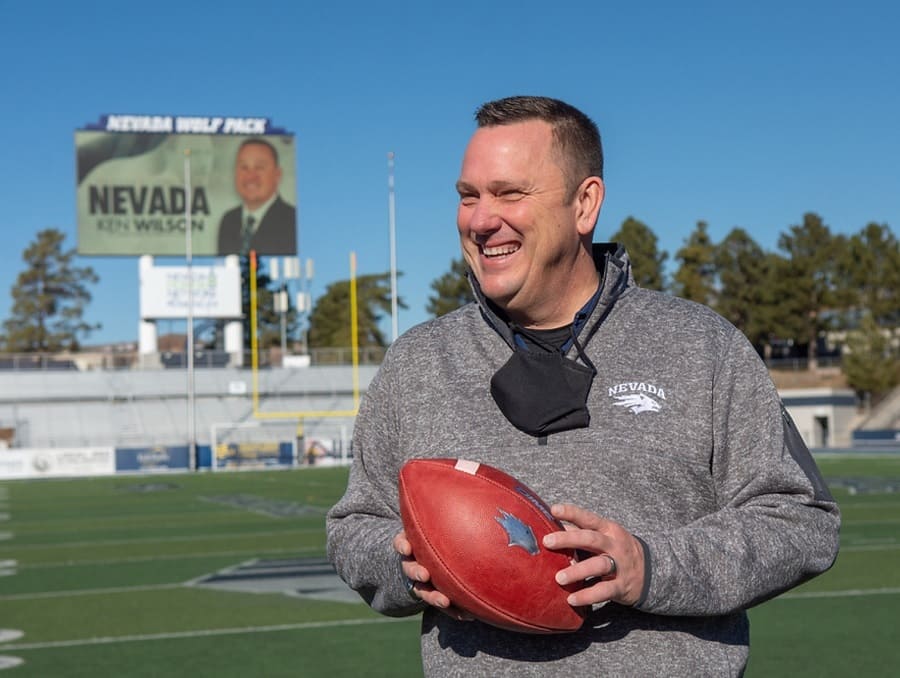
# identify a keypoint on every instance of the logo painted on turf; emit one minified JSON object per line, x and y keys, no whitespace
{"x":519,"y":533}
{"x":638,"y":396}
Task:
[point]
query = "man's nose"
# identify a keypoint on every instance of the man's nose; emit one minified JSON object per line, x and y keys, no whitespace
{"x":484,"y":217}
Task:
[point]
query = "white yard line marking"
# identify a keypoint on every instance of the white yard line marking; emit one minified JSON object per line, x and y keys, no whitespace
{"x":851,"y":504}
{"x":340,"y":623}
{"x":205,"y":633}
{"x":849,"y":593}
{"x":90,"y":592}
{"x":153,"y":540}
{"x":174,"y":556}
{"x":864,"y":547}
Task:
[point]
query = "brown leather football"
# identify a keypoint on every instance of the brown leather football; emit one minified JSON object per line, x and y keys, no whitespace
{"x":478,"y":532}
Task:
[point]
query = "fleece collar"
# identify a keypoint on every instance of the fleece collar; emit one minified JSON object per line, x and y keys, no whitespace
{"x":614,"y":268}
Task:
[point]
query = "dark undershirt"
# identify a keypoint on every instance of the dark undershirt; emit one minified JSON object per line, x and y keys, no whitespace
{"x":554,"y":337}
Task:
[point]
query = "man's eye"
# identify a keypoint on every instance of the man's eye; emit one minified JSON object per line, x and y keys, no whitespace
{"x":468,"y":200}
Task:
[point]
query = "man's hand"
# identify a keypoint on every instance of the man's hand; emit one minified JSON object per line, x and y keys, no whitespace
{"x":422,"y":587}
{"x":615,"y":572}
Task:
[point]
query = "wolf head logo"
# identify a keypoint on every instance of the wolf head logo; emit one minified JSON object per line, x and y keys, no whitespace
{"x":637,"y":403}
{"x":519,"y":533}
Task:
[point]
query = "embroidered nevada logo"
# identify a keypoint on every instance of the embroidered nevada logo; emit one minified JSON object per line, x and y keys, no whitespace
{"x":638,"y":396}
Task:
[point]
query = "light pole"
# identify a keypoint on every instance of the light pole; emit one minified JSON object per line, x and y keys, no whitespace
{"x":188,"y":253}
{"x":290,"y":270}
{"x":393,"y":244}
{"x":304,"y":302}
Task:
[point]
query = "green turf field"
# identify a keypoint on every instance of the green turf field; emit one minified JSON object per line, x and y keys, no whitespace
{"x":95,"y":572}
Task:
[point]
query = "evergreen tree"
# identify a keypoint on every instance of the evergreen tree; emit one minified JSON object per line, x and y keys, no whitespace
{"x":870,"y":268}
{"x":870,"y":363}
{"x":745,"y":296}
{"x":49,"y":298}
{"x":804,"y":282}
{"x":451,"y":290}
{"x":696,"y":274}
{"x":329,"y":322}
{"x":646,"y":260}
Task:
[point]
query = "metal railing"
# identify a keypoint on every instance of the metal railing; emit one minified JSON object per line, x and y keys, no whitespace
{"x":801,"y":364}
{"x":203,"y":359}
{"x":271,"y":357}
{"x":33,"y":361}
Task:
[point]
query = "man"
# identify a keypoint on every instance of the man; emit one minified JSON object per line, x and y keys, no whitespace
{"x":263,"y":222}
{"x":648,"y":419}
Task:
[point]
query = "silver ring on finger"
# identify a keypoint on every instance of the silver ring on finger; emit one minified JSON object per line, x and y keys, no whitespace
{"x":613,"y":568}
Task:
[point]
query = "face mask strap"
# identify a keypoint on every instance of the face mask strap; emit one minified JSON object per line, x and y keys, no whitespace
{"x":581,"y":353}
{"x":554,"y":349}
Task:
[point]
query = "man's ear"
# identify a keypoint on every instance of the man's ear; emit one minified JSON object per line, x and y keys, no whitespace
{"x":588,"y":199}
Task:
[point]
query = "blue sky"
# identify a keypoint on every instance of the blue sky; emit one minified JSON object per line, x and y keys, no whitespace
{"x":739,"y":114}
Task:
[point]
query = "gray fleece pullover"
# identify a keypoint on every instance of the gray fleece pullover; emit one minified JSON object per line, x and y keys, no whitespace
{"x":688,"y":447}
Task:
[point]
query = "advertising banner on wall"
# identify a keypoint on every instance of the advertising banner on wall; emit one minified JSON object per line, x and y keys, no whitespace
{"x":259,"y":454}
{"x":154,"y":458}
{"x":131,"y":186}
{"x":165,"y":293}
{"x":57,"y":462}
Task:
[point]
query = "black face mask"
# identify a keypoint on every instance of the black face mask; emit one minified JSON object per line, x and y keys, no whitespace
{"x":543,"y":392}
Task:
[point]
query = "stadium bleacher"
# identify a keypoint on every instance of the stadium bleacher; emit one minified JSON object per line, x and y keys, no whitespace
{"x":216,"y":359}
{"x":26,"y":362}
{"x":48,"y":402}
{"x":55,"y":408}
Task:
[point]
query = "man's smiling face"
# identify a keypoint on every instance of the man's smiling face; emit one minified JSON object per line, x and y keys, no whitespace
{"x":517,"y":220}
{"x":256,"y":174}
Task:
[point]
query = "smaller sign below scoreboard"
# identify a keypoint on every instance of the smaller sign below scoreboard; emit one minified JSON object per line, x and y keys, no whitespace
{"x":216,"y":292}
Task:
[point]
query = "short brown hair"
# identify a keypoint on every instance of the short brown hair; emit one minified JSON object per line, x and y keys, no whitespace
{"x":576,"y":135}
{"x":260,"y":142}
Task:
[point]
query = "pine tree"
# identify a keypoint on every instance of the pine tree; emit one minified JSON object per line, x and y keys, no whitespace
{"x":49,"y":298}
{"x":870,"y":265}
{"x":646,"y":260}
{"x":745,"y":296}
{"x":870,"y":363}
{"x":805,"y":282}
{"x":329,"y":322}
{"x":451,"y":290}
{"x":696,"y":276}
